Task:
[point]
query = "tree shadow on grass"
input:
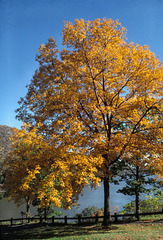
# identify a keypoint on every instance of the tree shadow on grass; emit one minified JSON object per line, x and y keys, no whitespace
{"x":37,"y":231}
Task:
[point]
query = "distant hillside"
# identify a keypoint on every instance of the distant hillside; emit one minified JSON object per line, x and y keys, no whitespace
{"x":5,"y":143}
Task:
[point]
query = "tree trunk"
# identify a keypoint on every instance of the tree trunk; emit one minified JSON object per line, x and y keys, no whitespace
{"x":137,"y":194}
{"x":107,"y":209}
{"x":45,"y":213}
{"x":28,"y":207}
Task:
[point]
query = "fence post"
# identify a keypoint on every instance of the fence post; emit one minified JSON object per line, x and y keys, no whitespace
{"x":52,"y":219}
{"x":65,"y":220}
{"x":115,"y":217}
{"x":137,"y":216}
{"x":79,"y":219}
{"x":40,"y":219}
{"x":96,"y":219}
{"x":11,"y":221}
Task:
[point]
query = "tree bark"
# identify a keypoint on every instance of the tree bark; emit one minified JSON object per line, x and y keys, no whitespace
{"x":28,"y":207}
{"x":137,"y":203}
{"x":107,"y":208}
{"x":45,"y":213}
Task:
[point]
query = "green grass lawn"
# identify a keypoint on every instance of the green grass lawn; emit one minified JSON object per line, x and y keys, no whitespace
{"x":131,"y":231}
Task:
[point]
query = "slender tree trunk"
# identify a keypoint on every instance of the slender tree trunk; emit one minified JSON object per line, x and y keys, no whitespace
{"x":45,"y":213}
{"x":137,"y":203}
{"x":28,"y":207}
{"x":107,"y":208}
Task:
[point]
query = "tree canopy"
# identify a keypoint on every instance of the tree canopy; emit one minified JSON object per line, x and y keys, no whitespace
{"x":99,"y":97}
{"x":36,"y":169}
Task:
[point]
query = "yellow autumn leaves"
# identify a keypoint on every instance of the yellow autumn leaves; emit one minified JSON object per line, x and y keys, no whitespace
{"x":100,"y":95}
{"x":36,"y":168}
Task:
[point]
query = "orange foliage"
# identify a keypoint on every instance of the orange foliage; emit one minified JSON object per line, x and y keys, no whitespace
{"x":98,"y":100}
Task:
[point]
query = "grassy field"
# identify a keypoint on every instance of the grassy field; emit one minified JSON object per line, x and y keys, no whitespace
{"x":132,"y":231}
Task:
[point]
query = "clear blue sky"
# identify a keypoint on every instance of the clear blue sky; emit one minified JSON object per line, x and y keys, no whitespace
{"x":26,"y":24}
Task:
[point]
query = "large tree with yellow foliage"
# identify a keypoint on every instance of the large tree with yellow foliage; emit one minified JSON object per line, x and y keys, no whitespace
{"x":99,"y":97}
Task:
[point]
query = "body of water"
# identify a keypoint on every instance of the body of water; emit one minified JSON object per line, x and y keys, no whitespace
{"x":89,"y":198}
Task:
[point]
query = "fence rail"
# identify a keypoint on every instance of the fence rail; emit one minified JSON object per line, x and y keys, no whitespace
{"x":79,"y":219}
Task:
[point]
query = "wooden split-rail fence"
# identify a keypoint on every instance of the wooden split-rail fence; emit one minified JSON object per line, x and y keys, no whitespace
{"x":78,"y":220}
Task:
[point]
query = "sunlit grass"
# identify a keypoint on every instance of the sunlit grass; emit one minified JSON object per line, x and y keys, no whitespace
{"x":136,"y":231}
